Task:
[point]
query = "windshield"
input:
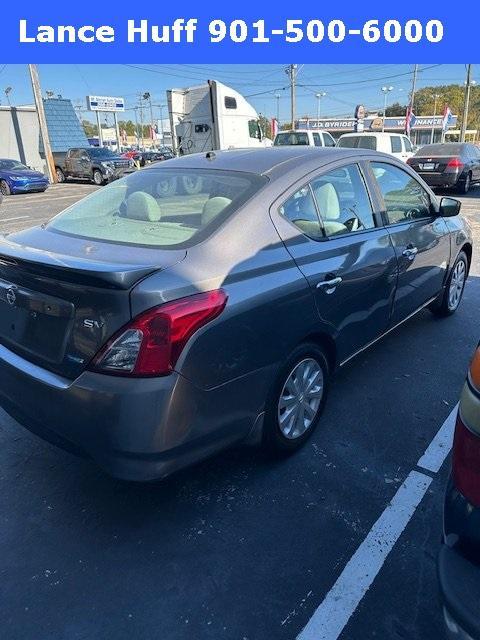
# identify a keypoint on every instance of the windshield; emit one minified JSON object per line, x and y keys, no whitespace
{"x":358,"y":142}
{"x":448,"y":149}
{"x":12,"y":165}
{"x":291,"y":138}
{"x":159,"y":207}
{"x":100,"y":152}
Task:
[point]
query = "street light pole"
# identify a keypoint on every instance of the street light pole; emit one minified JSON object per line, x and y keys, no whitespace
{"x":277,"y":96}
{"x":386,"y":91}
{"x":436,"y":97}
{"x":319,"y":96}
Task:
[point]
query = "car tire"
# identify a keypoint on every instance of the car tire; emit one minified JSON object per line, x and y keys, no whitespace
{"x":60,"y":175}
{"x":288,"y":422}
{"x":464,"y":185}
{"x":5,"y":188}
{"x":453,"y":291}
{"x":98,"y":177}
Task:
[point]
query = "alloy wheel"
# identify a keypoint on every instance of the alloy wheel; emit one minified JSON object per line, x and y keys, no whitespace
{"x":300,"y":398}
{"x":457,"y":282}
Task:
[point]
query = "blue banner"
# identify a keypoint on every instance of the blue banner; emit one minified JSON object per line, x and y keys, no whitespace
{"x":246,"y":32}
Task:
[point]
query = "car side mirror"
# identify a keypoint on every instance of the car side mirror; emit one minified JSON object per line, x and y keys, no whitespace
{"x":449,"y":207}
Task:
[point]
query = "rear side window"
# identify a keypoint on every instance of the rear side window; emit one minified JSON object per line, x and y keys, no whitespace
{"x":317,"y":140}
{"x":358,"y":142}
{"x":408,"y":144}
{"x":301,"y":211}
{"x":159,"y":207}
{"x":405,"y":198}
{"x":328,"y":140}
{"x":343,"y":201}
{"x":396,"y":144}
{"x":291,"y":138}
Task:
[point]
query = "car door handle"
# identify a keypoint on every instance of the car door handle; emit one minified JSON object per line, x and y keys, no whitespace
{"x":410,"y":252}
{"x":329,"y":285}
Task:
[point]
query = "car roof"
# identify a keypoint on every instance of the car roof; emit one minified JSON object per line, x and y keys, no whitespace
{"x":269,"y":161}
{"x":377,"y":134}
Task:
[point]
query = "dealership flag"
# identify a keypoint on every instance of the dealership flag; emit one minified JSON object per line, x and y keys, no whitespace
{"x":410,"y":120}
{"x":447,"y":118}
{"x":274,"y":127}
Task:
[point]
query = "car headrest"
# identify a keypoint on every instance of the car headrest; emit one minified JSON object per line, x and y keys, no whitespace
{"x":327,"y":200}
{"x":142,"y":206}
{"x":213,"y":207}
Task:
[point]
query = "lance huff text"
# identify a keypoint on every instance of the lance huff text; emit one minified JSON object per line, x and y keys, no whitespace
{"x":181,"y":30}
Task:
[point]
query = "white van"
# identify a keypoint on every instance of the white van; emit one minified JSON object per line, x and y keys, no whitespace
{"x":303,"y":137}
{"x":396,"y":144}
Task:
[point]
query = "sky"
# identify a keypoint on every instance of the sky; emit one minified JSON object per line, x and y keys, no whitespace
{"x":345,"y":85}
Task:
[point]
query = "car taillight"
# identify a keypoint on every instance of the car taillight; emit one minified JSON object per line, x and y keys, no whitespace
{"x":466,"y":444}
{"x":410,"y":161}
{"x":466,"y":462}
{"x":151,"y":343}
{"x":455,"y":163}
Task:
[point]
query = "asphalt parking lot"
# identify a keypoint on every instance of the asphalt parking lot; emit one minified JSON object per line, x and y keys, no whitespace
{"x":242,"y":547}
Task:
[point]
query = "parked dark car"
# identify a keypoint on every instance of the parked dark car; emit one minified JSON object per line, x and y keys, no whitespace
{"x":453,"y":165}
{"x":15,"y":177}
{"x":97,"y":164}
{"x":149,"y":330}
{"x":459,"y":559}
{"x":148,"y":157}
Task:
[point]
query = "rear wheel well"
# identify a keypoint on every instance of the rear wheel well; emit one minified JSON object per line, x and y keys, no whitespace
{"x":327,"y":343}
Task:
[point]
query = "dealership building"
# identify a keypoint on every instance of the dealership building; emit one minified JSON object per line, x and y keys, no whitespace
{"x":420,"y":134}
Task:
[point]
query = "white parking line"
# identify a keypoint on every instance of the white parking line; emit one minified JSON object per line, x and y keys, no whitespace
{"x":12,"y":219}
{"x":331,"y":617}
{"x":439,"y":447}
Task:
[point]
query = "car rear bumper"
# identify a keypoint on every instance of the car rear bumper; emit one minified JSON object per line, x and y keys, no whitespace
{"x":134,"y":428}
{"x":460,"y":592}
{"x":439,"y":179}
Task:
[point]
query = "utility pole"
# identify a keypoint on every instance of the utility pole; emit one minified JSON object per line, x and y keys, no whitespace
{"x":42,"y":122}
{"x":435,"y":97}
{"x":292,"y":73}
{"x":136,"y":126}
{"x":277,"y":96}
{"x":147,"y":96}
{"x":414,"y":86}
{"x":100,"y":135}
{"x":466,"y":101}
{"x":141,"y":121}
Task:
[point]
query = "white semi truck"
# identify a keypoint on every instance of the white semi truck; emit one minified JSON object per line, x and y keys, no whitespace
{"x":212,"y":116}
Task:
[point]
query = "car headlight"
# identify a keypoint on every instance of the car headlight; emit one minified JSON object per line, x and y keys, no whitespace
{"x":107,"y":165}
{"x":17,"y":178}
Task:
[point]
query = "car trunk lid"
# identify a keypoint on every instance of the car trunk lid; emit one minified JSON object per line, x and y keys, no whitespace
{"x":58,"y":309}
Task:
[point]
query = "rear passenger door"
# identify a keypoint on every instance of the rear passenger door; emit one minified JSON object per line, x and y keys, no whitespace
{"x":329,"y":227}
{"x":419,"y":236}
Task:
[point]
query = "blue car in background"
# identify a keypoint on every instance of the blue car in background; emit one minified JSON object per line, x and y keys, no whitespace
{"x":15,"y":177}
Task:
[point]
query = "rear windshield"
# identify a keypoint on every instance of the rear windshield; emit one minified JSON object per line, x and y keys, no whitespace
{"x":159,"y":207}
{"x":291,"y":138}
{"x":358,"y":142}
{"x":448,"y":149}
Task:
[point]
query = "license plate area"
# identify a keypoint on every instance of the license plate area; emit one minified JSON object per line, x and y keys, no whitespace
{"x":428,"y":166}
{"x":34,"y":322}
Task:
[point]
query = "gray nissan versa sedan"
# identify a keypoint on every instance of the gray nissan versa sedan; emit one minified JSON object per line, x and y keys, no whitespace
{"x":208,"y":299}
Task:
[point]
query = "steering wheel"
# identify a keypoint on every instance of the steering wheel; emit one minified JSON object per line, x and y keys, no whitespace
{"x":352,"y":224}
{"x":412,"y":214}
